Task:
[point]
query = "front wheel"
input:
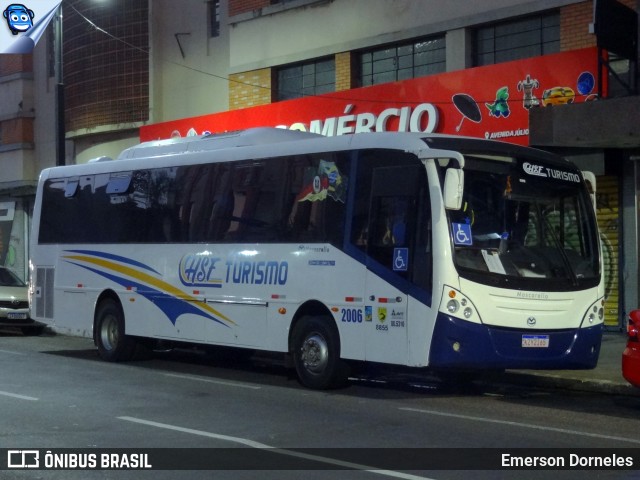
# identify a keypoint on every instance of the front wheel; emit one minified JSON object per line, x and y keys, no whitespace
{"x":316,"y":353}
{"x":113,"y":345}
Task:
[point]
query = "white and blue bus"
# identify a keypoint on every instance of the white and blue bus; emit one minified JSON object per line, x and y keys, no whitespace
{"x":405,"y":249}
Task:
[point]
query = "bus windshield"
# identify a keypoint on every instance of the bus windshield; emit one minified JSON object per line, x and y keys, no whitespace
{"x":525,"y":224}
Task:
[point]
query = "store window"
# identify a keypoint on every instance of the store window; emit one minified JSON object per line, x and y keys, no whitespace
{"x":517,"y":39}
{"x":418,"y":58}
{"x":304,"y":79}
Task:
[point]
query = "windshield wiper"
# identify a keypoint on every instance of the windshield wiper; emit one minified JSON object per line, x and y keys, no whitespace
{"x":563,"y":254}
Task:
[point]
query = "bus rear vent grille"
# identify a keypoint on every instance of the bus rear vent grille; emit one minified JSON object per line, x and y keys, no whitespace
{"x":44,"y":292}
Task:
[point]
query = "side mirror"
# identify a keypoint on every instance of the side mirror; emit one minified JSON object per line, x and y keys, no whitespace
{"x":453,"y":188}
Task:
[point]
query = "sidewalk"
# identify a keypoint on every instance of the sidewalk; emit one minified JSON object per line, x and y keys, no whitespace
{"x":606,"y":377}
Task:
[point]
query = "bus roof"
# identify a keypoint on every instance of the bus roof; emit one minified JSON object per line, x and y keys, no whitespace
{"x":218,"y":141}
{"x":269,"y":142}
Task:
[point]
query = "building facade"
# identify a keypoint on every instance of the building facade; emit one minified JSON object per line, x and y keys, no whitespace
{"x":146,"y":69}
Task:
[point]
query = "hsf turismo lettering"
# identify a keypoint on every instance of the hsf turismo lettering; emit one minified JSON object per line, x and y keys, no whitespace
{"x":204,"y":270}
{"x":257,"y":273}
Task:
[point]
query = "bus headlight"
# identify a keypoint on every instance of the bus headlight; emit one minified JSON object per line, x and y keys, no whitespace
{"x":455,"y":303}
{"x":453,"y":306}
{"x":594,"y":315}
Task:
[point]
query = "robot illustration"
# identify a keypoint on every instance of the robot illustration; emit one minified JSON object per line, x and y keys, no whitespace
{"x":19,"y":18}
{"x":527,"y":85}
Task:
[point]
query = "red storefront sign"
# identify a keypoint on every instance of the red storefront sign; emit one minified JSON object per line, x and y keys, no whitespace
{"x":488,"y":102}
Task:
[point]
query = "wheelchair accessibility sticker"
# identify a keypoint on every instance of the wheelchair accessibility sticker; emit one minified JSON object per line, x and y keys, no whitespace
{"x":400,"y":259}
{"x":462,"y":234}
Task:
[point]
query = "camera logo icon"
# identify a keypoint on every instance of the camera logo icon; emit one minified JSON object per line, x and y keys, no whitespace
{"x":23,"y":459}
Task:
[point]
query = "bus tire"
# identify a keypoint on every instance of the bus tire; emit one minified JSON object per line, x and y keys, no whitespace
{"x":316,"y":353}
{"x":113,"y":345}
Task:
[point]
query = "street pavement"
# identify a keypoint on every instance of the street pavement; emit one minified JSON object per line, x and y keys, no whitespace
{"x":605,"y":378}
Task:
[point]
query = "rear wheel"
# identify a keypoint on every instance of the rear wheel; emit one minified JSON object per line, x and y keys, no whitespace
{"x":316,"y":353}
{"x":113,"y":345}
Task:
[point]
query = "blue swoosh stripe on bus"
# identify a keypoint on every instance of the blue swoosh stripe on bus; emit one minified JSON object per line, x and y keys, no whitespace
{"x":171,"y":306}
{"x":118,"y":258}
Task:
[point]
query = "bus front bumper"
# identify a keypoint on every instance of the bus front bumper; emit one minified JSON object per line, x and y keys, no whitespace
{"x":461,"y":344}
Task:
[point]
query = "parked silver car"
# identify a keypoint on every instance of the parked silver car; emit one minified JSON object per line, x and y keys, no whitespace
{"x":14,"y":304}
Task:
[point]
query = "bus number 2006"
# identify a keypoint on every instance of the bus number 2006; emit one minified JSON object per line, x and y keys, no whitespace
{"x":351,"y":315}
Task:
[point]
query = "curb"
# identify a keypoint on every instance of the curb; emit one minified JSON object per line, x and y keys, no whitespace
{"x":554,"y":381}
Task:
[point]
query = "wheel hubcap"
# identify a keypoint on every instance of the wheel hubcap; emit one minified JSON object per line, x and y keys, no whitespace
{"x":315,"y":353}
{"x":109,"y":333}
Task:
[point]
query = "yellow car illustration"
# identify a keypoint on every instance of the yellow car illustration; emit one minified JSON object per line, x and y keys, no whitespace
{"x":558,"y":96}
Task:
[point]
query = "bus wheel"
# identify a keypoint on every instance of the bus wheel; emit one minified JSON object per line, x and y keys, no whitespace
{"x":113,"y":344}
{"x":316,"y":353}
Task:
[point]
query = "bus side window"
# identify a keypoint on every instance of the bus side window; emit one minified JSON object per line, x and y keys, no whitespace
{"x":161,"y":199}
{"x":257,"y":192}
{"x":390,"y":225}
{"x":124,"y":199}
{"x":57,"y":212}
{"x":222,"y":208}
{"x":268,"y":215}
{"x":392,"y":215}
{"x":85,"y":199}
{"x":392,"y":212}
{"x":248,"y":188}
{"x":318,"y":208}
{"x":299,"y":213}
{"x":194,"y":203}
{"x":422,"y":261}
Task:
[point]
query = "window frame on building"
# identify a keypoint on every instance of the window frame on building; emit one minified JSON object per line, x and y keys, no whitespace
{"x":309,"y":80}
{"x":517,"y":38}
{"x":402,"y":60}
{"x":213,"y":15}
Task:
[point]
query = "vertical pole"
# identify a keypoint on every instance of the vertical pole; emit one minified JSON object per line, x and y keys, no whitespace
{"x":60,"y":124}
{"x":600,"y":78}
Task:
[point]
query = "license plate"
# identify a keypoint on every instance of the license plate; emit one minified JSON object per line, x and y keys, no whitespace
{"x":17,"y":316}
{"x":535,"y":341}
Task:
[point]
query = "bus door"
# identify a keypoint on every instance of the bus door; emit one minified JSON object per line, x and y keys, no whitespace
{"x":398,"y":258}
